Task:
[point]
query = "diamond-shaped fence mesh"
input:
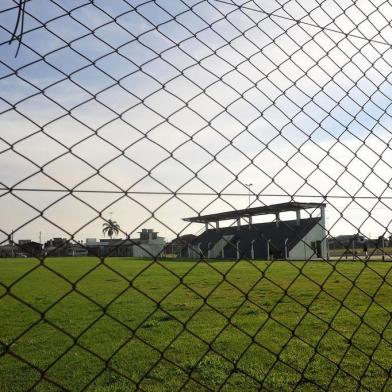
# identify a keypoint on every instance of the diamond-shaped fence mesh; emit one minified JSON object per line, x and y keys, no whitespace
{"x":195,"y":195}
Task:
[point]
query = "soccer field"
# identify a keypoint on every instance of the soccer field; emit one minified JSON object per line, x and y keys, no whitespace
{"x":130,"y":324}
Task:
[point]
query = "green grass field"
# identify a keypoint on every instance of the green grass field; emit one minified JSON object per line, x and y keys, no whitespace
{"x":226,"y":326}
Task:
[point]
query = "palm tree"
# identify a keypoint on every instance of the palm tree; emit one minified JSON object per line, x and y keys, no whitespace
{"x":110,"y":227}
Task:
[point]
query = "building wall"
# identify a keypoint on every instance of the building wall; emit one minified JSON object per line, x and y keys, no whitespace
{"x":303,"y":250}
{"x":192,"y":251}
{"x":148,"y":250}
{"x":77,"y":251}
{"x":7,"y":251}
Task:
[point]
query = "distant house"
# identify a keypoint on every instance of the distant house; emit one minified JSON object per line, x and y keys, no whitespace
{"x":347,"y":241}
{"x":23,"y":248}
{"x":76,"y":250}
{"x":8,"y":250}
{"x":64,"y":247}
{"x":29,"y":248}
{"x":149,"y":244}
{"x":179,"y":244}
{"x":56,"y":247}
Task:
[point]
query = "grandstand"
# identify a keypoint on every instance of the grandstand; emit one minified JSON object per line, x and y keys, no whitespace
{"x":300,"y":239}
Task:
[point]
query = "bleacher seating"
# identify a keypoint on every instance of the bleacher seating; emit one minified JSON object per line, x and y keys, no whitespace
{"x":259,"y":234}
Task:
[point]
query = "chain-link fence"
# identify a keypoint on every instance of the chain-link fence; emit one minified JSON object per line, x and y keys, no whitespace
{"x":195,"y":195}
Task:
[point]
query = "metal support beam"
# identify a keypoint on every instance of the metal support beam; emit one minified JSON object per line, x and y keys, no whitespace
{"x":298,"y":213}
{"x":277,"y":216}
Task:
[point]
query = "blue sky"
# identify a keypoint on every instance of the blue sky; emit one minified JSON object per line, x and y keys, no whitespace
{"x":177,"y":101}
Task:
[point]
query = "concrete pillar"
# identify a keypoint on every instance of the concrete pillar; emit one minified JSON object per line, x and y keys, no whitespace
{"x":199,"y":249}
{"x":238,"y":223}
{"x":298,"y":212}
{"x":206,"y":226}
{"x":250,"y":221}
{"x":217,"y":225}
{"x":238,"y":249}
{"x":209,"y":250}
{"x":322,"y":210}
{"x":268,"y":249}
{"x":277,"y":220}
{"x":286,"y":253}
{"x":223,"y":250}
{"x":252,"y":250}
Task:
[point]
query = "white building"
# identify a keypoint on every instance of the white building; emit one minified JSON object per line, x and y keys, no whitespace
{"x":148,"y":245}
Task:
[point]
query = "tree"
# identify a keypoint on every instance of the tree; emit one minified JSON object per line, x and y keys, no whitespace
{"x":110,"y":227}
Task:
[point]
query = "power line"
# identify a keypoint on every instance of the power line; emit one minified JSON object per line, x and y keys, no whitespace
{"x":299,"y":21}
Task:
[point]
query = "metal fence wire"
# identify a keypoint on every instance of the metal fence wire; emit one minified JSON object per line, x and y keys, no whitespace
{"x":136,"y":114}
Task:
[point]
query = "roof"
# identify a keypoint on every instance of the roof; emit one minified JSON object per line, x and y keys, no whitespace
{"x":112,"y":242}
{"x":28,"y":244}
{"x":263,"y":210}
{"x":182,"y":239}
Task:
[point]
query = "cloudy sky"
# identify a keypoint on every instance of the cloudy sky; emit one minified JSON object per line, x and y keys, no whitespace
{"x":151,"y":111}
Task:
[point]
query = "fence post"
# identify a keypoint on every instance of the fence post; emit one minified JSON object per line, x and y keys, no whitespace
{"x":353,"y":248}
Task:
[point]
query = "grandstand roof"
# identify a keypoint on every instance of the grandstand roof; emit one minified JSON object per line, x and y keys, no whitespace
{"x":247,"y":212}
